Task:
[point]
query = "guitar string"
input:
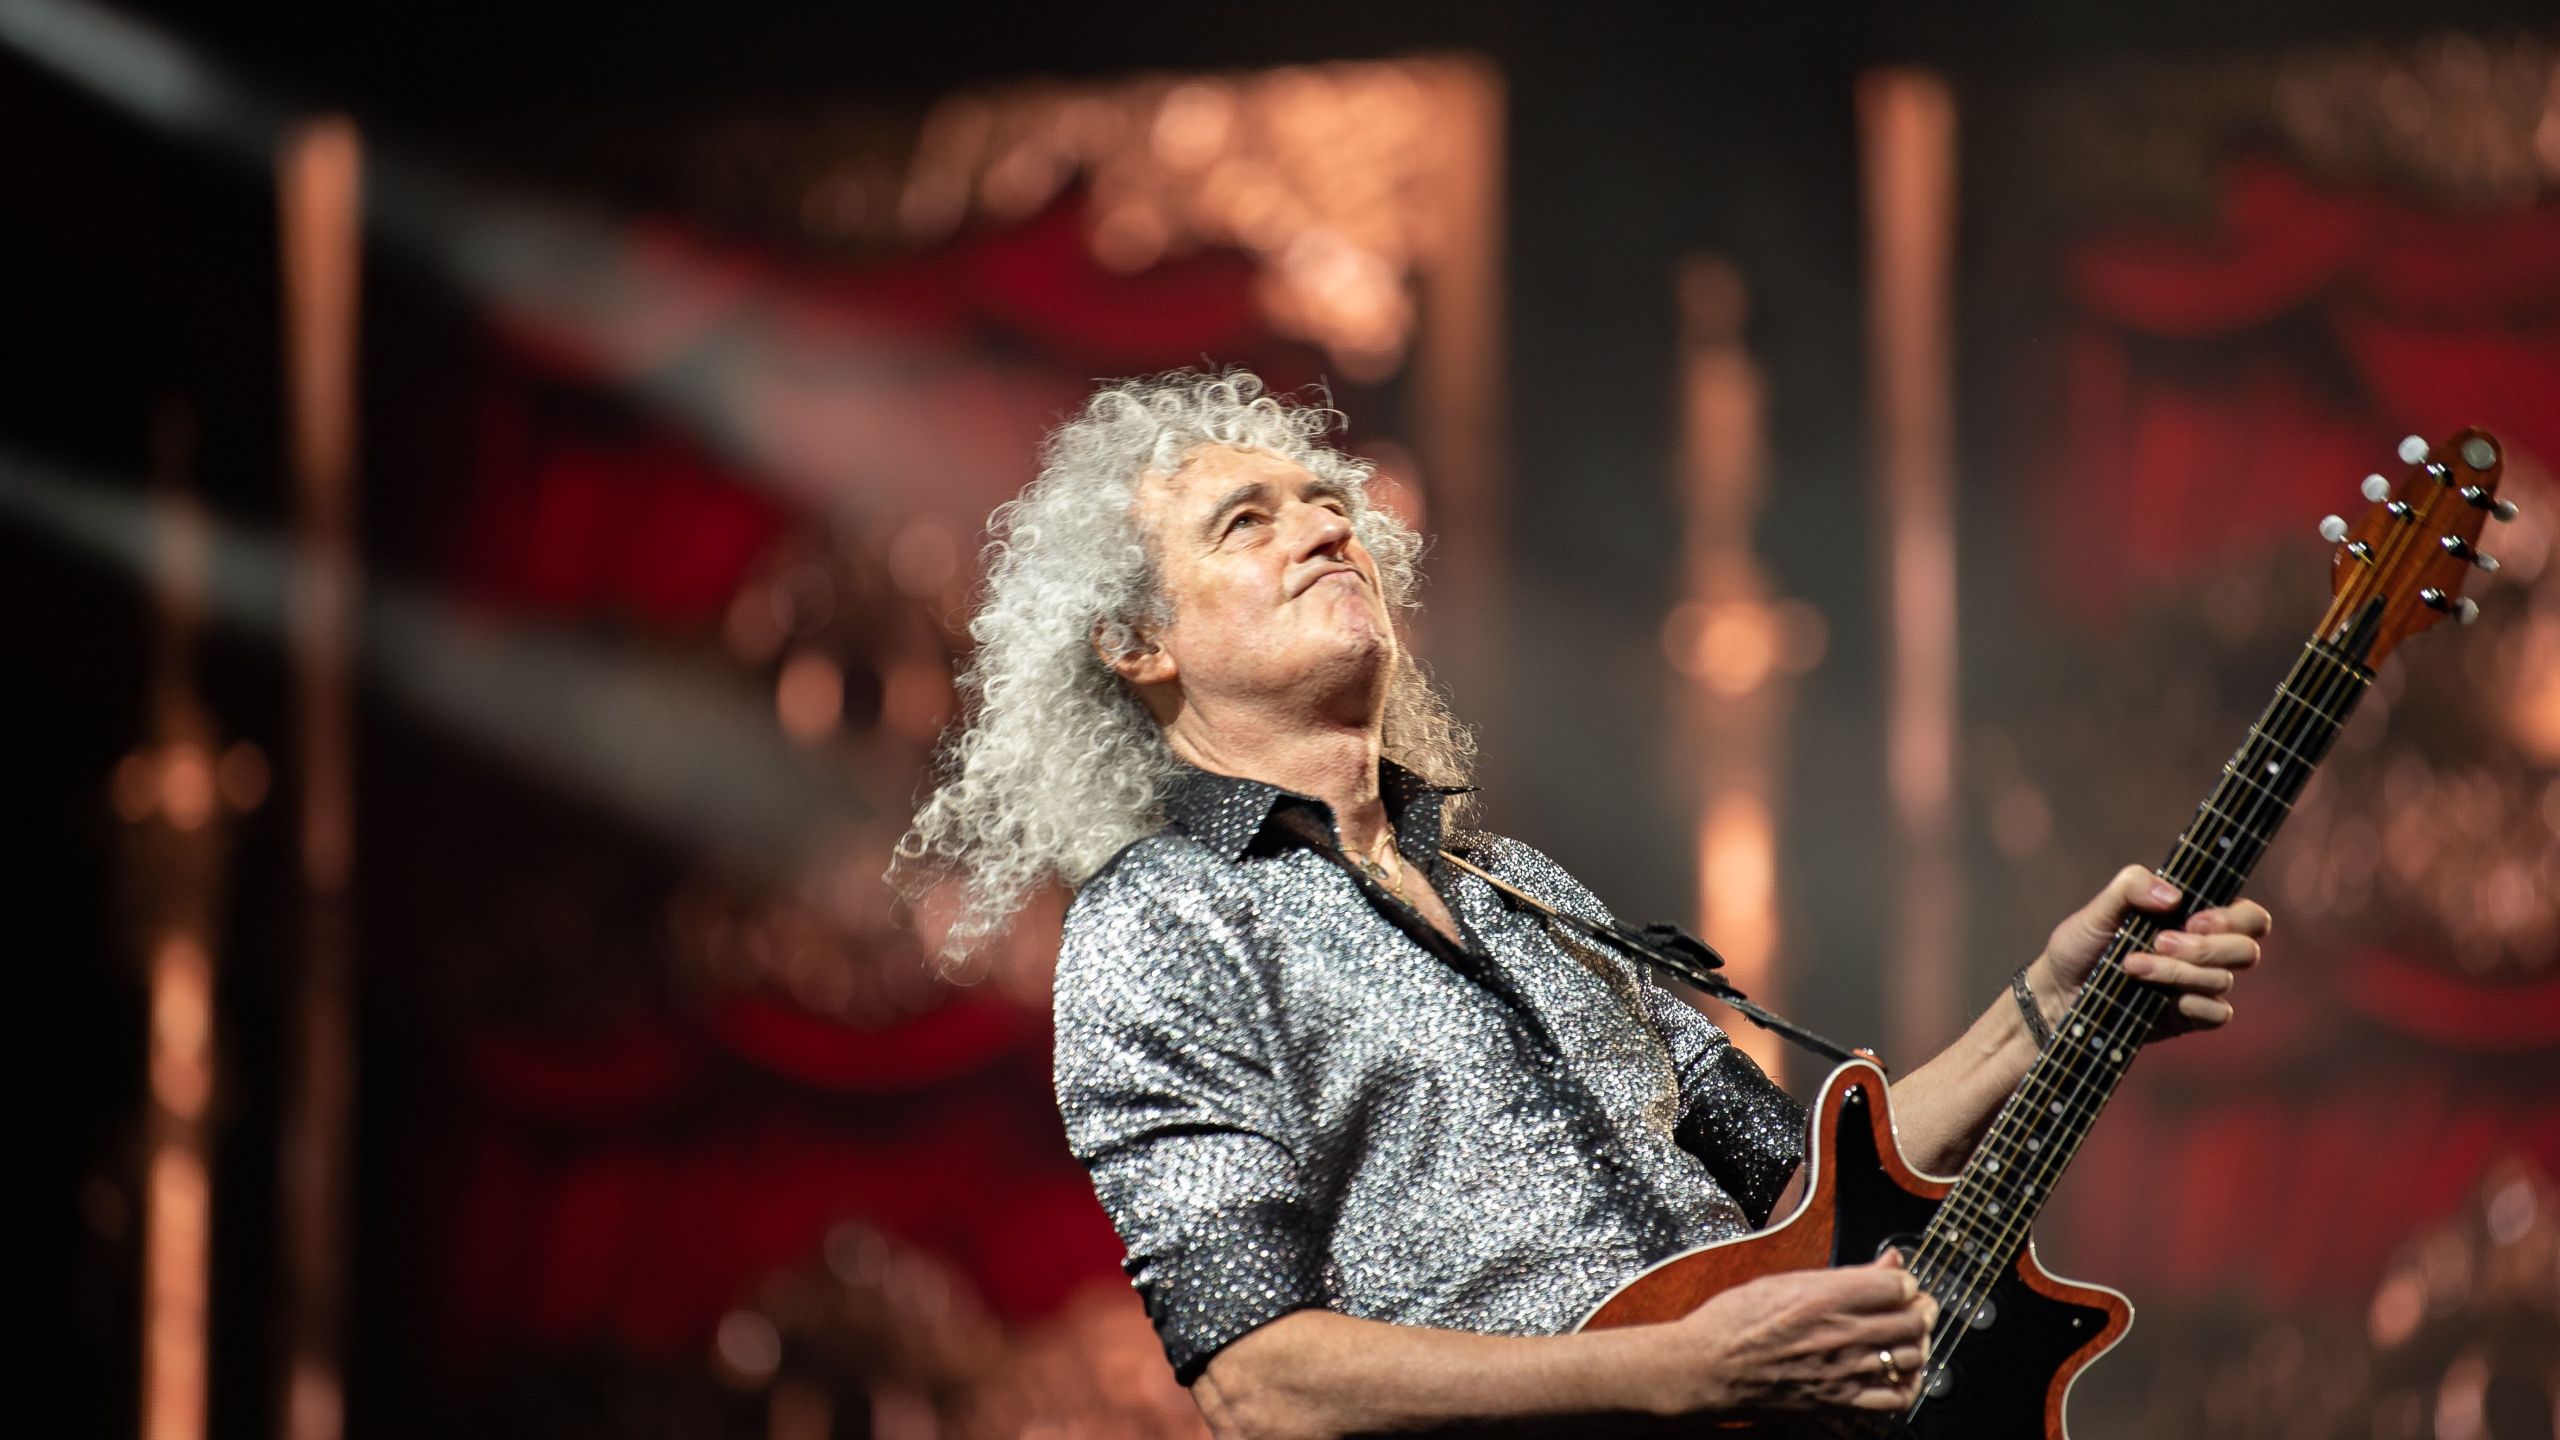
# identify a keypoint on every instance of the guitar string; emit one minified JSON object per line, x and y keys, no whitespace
{"x":2120,"y":1025}
{"x":2111,"y":984}
{"x":2120,"y":1019}
{"x":2106,"y":996}
{"x":2148,"y":1001}
{"x":2343,"y":679}
{"x":2251,"y":820}
{"x":2104,"y":1004}
{"x":2121,"y":1009}
{"x":1965,"y":1266}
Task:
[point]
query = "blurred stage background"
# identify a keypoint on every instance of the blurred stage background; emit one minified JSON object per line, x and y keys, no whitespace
{"x":490,"y":499}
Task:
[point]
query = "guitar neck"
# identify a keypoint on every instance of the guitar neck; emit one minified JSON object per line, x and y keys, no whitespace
{"x":1982,"y":1224}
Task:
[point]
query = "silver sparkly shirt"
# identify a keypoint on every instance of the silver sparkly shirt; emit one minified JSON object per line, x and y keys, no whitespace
{"x":1292,"y":1092}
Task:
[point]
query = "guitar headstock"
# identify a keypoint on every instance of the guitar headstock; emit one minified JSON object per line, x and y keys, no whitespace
{"x":2413,"y":551}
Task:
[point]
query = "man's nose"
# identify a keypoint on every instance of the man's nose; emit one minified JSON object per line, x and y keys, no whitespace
{"x":1321,"y":529}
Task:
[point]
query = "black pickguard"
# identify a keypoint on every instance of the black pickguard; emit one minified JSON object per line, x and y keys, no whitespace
{"x":1999,"y":1374}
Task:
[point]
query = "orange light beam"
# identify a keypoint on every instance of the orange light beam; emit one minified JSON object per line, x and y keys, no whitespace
{"x":1907,"y":130}
{"x":319,"y":171}
{"x":1726,"y":639}
{"x":175,"y":848}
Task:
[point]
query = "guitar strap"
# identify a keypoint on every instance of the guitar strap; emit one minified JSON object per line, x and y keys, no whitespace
{"x":1673,"y":951}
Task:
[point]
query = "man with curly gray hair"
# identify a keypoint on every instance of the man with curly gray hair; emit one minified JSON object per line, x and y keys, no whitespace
{"x":1372,"y":1132}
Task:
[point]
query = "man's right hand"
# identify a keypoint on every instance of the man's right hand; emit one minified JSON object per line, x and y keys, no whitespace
{"x":1801,"y":1340}
{"x":1795,"y":1341}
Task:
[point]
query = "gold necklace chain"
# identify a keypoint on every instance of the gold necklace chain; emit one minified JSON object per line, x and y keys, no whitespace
{"x":1392,"y":878}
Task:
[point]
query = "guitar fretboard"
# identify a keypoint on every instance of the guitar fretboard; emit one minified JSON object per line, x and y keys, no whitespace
{"x":1982,"y":1224}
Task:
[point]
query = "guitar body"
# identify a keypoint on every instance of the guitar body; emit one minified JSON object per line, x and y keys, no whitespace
{"x":2009,"y":1378}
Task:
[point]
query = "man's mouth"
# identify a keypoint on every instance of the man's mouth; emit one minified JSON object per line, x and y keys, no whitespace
{"x":1323,"y":575}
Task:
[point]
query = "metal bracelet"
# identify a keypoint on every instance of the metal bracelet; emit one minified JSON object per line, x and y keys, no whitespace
{"x":2028,"y":1007}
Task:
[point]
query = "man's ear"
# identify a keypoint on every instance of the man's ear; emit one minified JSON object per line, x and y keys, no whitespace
{"x":1145,"y":663}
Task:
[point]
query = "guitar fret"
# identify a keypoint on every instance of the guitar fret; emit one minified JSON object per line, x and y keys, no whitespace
{"x":2238,"y":877}
{"x":2107,"y":1038}
{"x":2289,"y":750}
{"x":2059,"y":1081}
{"x":2339,"y":663}
{"x":1986,"y":1214}
{"x":2105,"y":1009}
{"x":2017,"y":1164}
{"x":2238,"y":827}
{"x":2318,"y":712}
{"x":2235,"y":773}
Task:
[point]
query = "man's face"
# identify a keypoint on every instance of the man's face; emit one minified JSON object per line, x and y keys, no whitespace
{"x":1272,"y":596}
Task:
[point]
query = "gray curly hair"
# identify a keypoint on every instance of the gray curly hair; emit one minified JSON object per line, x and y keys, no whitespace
{"x":1055,"y":764}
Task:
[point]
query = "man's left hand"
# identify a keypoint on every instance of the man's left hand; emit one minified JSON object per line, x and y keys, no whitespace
{"x":2201,"y":961}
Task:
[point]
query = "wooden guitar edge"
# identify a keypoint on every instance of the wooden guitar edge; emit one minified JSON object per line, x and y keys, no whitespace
{"x":2114,"y":1304}
{"x":1802,"y":1241}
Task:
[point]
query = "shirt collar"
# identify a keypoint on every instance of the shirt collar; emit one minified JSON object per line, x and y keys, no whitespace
{"x":1226,"y":812}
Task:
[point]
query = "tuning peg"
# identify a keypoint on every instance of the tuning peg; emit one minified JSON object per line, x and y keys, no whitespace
{"x":2462,"y":549}
{"x":2503,"y":509}
{"x":2413,"y":449}
{"x":2464,"y":610}
{"x":2333,"y":529}
{"x":2375,"y":487}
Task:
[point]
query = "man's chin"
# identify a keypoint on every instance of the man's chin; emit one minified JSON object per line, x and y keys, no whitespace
{"x":1360,"y":625}
{"x":1364,"y":649}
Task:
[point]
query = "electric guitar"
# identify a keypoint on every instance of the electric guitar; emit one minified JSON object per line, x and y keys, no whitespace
{"x":2011,"y":1337}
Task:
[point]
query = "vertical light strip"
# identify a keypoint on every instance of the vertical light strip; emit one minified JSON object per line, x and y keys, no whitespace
{"x":176,"y":1272}
{"x":176,"y":849}
{"x":1907,"y":133}
{"x":318,"y":176}
{"x":1457,"y":382}
{"x":1738,"y":648}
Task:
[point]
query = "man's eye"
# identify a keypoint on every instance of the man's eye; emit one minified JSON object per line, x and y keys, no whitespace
{"x":1243,"y":518}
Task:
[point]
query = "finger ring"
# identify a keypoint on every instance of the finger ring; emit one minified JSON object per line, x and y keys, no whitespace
{"x":1892,"y":1372}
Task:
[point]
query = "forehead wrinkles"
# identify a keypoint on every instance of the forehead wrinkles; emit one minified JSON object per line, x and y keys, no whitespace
{"x":1158,"y":496}
{"x":1161,"y":489}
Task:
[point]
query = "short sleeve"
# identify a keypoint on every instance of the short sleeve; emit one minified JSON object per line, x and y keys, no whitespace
{"x":1747,"y":1131}
{"x":1165,"y":1081}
